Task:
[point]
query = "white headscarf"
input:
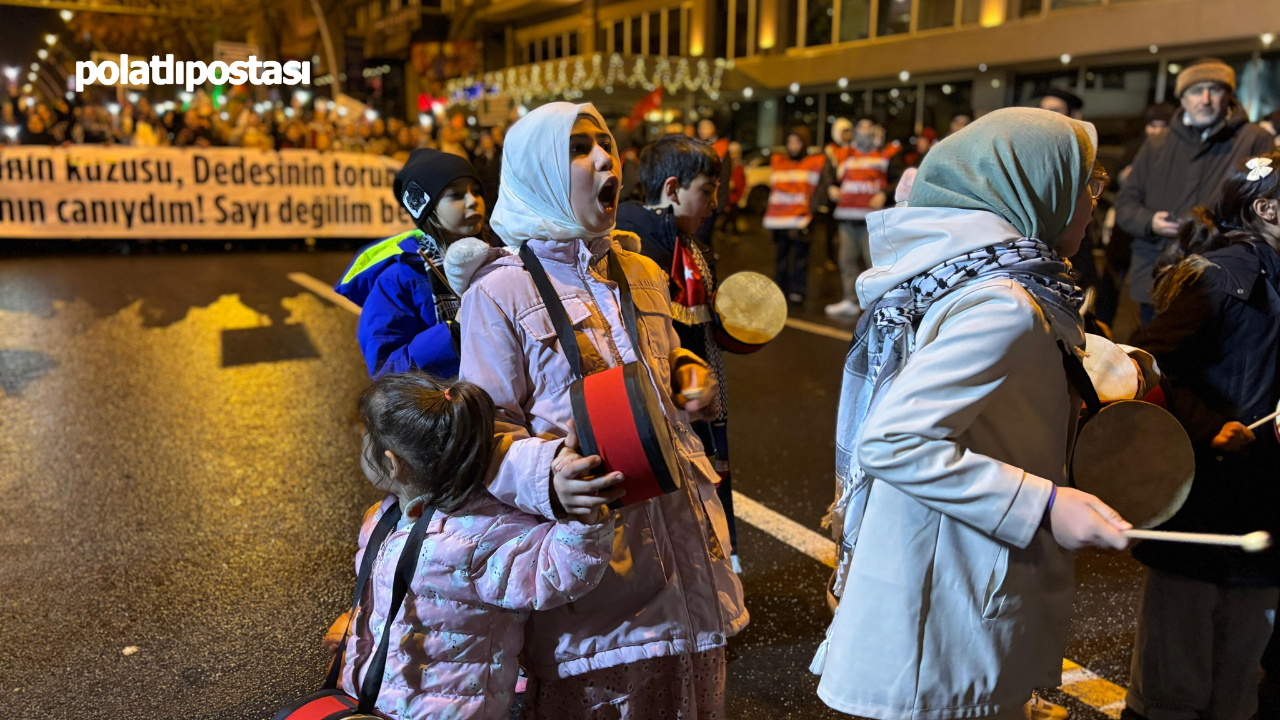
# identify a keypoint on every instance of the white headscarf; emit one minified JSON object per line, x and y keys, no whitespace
{"x":533,"y":196}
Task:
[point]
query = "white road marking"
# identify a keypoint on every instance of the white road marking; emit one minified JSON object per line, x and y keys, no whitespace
{"x":817,"y":329}
{"x":785,"y":529}
{"x":1079,"y":682}
{"x":324,"y":290}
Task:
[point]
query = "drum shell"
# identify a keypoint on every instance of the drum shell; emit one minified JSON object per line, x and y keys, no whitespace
{"x":618,"y":418}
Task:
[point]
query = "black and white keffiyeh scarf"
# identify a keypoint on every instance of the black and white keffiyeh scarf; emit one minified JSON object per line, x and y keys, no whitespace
{"x":445,"y":300}
{"x":885,"y":341}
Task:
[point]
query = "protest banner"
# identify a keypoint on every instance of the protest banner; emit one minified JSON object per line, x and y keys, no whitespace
{"x":96,"y":191}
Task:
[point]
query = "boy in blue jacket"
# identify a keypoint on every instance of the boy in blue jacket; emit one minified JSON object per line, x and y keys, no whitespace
{"x":408,"y":308}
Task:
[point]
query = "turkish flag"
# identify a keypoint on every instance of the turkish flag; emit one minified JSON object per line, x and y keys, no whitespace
{"x":649,"y":102}
{"x":687,"y":277}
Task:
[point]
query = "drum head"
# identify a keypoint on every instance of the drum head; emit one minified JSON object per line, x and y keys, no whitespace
{"x":751,"y":308}
{"x":1135,"y":457}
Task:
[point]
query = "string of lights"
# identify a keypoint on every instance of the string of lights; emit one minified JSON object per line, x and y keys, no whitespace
{"x":572,"y":77}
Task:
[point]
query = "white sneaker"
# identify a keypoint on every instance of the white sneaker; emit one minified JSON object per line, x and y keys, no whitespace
{"x":844,"y":309}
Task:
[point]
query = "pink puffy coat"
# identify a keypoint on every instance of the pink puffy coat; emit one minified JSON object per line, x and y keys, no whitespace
{"x":670,"y":588}
{"x":455,"y":644}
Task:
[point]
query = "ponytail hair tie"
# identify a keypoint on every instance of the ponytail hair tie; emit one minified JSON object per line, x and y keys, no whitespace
{"x":446,"y":394}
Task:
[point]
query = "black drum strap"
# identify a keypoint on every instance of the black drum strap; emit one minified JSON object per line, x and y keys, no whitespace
{"x":1079,"y":378}
{"x":628,"y":305}
{"x":555,"y":308}
{"x":560,"y":318}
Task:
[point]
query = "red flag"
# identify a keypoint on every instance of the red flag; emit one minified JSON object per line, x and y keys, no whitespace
{"x":687,"y":277}
{"x":649,"y":102}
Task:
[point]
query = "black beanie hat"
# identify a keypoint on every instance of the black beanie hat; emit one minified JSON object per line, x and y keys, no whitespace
{"x":424,"y":176}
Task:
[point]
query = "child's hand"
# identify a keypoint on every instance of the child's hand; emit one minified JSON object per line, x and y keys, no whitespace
{"x":1233,"y":437}
{"x":1079,"y":519}
{"x":697,"y":391}
{"x":333,"y":638}
{"x":580,"y":497}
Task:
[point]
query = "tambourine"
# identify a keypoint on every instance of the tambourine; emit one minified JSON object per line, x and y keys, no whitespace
{"x":1132,"y":455}
{"x":617,"y":412}
{"x":750,"y":310}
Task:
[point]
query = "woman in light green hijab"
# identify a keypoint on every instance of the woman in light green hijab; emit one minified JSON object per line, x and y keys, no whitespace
{"x":953,"y":515}
{"x":1028,"y":166}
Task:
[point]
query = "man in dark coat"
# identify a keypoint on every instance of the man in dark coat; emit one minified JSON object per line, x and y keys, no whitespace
{"x":1184,"y":167}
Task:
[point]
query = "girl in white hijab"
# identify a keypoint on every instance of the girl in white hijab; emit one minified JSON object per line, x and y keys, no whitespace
{"x":649,"y":641}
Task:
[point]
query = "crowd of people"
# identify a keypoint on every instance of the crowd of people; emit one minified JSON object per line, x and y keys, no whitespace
{"x":232,"y":121}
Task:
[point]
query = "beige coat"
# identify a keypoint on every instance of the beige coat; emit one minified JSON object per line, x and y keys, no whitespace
{"x":958,"y":600}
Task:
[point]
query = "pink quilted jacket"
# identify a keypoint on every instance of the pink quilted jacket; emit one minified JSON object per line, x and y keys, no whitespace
{"x":670,"y":588}
{"x":455,"y":644}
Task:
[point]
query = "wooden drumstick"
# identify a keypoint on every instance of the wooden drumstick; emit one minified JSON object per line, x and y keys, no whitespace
{"x":1264,"y":420}
{"x":1253,"y":542}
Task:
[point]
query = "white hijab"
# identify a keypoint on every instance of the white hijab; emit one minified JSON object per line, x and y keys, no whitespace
{"x":533,"y":197}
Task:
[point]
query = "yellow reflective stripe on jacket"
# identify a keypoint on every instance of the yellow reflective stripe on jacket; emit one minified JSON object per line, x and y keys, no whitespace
{"x":376,"y":254}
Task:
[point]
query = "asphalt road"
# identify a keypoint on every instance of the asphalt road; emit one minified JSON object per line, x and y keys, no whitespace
{"x":178,"y":448}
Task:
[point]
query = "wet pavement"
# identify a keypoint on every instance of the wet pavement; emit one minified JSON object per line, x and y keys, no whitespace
{"x":178,"y":443}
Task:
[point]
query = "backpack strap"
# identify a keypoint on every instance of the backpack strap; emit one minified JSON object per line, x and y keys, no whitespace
{"x":390,"y":518}
{"x":406,"y":568}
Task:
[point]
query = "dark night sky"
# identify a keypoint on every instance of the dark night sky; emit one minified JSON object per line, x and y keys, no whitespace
{"x":22,"y":31}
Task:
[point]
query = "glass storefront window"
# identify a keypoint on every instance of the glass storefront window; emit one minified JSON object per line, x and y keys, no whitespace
{"x":937,"y":14}
{"x":673,"y":32}
{"x":895,"y":109}
{"x":637,"y":36}
{"x":943,"y":102}
{"x":655,"y":33}
{"x":855,"y":19}
{"x":741,"y":16}
{"x":895,"y":17}
{"x":796,"y":110}
{"x":818,"y":17}
{"x":971,"y":11}
{"x":619,"y":36}
{"x":1065,"y":4}
{"x":850,"y":105}
{"x":1028,"y":7}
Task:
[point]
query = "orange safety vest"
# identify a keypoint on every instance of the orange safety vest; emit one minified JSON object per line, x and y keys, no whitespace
{"x":793,"y":183}
{"x":862,"y":176}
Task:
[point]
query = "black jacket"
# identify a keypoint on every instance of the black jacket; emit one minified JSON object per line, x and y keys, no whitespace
{"x":1174,"y":172}
{"x":1218,"y":345}
{"x":658,"y":238}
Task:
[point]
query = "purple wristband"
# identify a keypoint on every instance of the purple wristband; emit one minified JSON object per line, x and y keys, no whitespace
{"x":1053,"y":495}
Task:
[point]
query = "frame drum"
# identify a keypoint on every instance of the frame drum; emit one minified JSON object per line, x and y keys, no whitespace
{"x":1135,"y":457}
{"x":750,"y":311}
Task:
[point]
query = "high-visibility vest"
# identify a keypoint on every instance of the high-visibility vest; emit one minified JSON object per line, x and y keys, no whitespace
{"x":793,"y":183}
{"x":861,"y":176}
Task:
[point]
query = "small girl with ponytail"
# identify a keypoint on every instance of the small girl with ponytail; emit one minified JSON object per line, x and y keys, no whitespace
{"x":483,"y":567}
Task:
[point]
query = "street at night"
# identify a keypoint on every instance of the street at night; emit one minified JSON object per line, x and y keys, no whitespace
{"x":180,"y":454}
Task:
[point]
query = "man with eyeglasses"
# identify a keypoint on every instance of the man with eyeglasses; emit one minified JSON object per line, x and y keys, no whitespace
{"x":1184,"y":167}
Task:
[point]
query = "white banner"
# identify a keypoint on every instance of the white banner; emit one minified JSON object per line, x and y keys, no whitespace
{"x":93,"y":191}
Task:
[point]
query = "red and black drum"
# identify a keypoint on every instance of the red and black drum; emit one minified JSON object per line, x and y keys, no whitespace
{"x":618,"y":414}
